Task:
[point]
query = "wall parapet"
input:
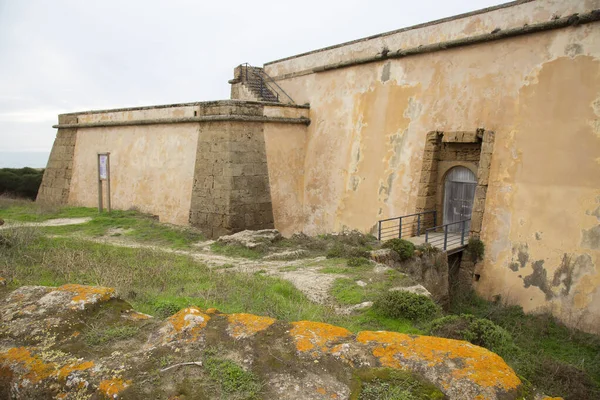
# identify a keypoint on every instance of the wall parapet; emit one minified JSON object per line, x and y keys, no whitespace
{"x":207,"y":118}
{"x":557,"y":22}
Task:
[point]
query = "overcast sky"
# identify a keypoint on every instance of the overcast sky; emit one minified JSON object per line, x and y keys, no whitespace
{"x":71,"y":55}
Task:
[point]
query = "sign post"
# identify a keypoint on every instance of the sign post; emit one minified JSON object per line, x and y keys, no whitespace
{"x":103,"y":175}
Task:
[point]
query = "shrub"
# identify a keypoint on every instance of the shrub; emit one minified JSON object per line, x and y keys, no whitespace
{"x":401,"y":304}
{"x":20,"y":182}
{"x":427,"y":249}
{"x":403,"y":247}
{"x":479,"y":331}
{"x":476,"y":248}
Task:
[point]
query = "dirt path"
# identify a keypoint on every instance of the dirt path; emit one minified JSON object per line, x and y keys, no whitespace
{"x":50,"y":222}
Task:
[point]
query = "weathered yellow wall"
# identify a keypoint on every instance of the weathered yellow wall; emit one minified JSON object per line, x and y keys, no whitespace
{"x":286,"y":147}
{"x":541,"y":95}
{"x":151,"y":167}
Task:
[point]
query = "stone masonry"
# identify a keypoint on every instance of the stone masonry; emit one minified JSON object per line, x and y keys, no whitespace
{"x":231,"y":180}
{"x":57,"y":176}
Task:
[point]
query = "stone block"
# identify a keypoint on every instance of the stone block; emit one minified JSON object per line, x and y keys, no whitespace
{"x":485,"y":160}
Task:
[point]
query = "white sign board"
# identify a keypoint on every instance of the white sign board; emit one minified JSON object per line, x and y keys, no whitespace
{"x":102,"y":162}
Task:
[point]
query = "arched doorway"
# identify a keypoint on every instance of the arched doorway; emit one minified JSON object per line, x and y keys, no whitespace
{"x":459,"y":192}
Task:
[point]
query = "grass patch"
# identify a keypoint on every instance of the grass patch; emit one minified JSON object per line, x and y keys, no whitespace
{"x":97,"y":335}
{"x":140,"y":227}
{"x":346,"y":291}
{"x":232,"y":379}
{"x":389,"y":384}
{"x":29,"y":211}
{"x":236,"y":251}
{"x":556,"y":360}
{"x":137,"y":226}
{"x":154,"y":282}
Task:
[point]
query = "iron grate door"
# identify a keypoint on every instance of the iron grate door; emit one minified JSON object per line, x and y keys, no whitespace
{"x":459,"y":192}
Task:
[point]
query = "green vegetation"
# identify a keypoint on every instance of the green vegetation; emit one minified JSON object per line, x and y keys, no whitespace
{"x":97,"y":335}
{"x":231,"y":250}
{"x":233,"y":380}
{"x":142,"y":228}
{"x":403,"y":247}
{"x":546,"y":354}
{"x":476,"y":248}
{"x":400,"y":304}
{"x":154,"y":282}
{"x":20,"y":182}
{"x":479,"y":331}
{"x":389,"y":384}
{"x":358,"y":262}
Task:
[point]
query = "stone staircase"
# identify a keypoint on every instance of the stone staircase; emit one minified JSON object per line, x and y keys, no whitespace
{"x":252,"y":83}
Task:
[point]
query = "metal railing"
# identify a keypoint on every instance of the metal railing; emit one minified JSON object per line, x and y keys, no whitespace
{"x":265,"y":81}
{"x":442,"y":237}
{"x":406,"y":225}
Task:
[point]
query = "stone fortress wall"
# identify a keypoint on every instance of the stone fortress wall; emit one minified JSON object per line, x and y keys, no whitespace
{"x":529,"y":72}
{"x":511,"y":92}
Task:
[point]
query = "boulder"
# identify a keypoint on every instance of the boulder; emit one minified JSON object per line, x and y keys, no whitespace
{"x":416,"y":289}
{"x":251,"y":239}
{"x":61,"y":343}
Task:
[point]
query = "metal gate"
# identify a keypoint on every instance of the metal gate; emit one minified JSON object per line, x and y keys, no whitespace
{"x":459,"y":192}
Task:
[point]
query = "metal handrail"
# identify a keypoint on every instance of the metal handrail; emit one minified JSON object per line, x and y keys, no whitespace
{"x":400,"y":224}
{"x":445,"y":228}
{"x":261,"y":75}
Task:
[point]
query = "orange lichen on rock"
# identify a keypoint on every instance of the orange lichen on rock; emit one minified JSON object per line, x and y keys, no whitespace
{"x":212,"y":311}
{"x":479,"y":365}
{"x":112,"y":387}
{"x":65,"y":371}
{"x":246,"y":325}
{"x":35,"y":368}
{"x":2,"y":282}
{"x":313,"y":336}
{"x":87,"y":294}
{"x":190,"y":321}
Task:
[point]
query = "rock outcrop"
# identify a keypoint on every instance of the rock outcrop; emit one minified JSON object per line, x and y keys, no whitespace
{"x":252,"y":239}
{"x":74,"y":342}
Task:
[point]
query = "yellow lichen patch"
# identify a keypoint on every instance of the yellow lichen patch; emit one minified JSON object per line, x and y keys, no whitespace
{"x":313,"y":336}
{"x":112,"y":387}
{"x":321,"y":390}
{"x":87,"y":294}
{"x":190,"y":321}
{"x":2,"y":282}
{"x":212,"y":311}
{"x":36,"y":369}
{"x":65,"y":371}
{"x":245,"y":325}
{"x":480,"y":365}
{"x":552,"y":398}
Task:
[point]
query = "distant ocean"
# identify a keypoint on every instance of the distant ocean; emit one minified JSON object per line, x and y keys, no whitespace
{"x":20,"y":159}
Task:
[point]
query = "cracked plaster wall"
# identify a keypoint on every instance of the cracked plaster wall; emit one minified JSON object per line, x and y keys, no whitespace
{"x":539,"y":93}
